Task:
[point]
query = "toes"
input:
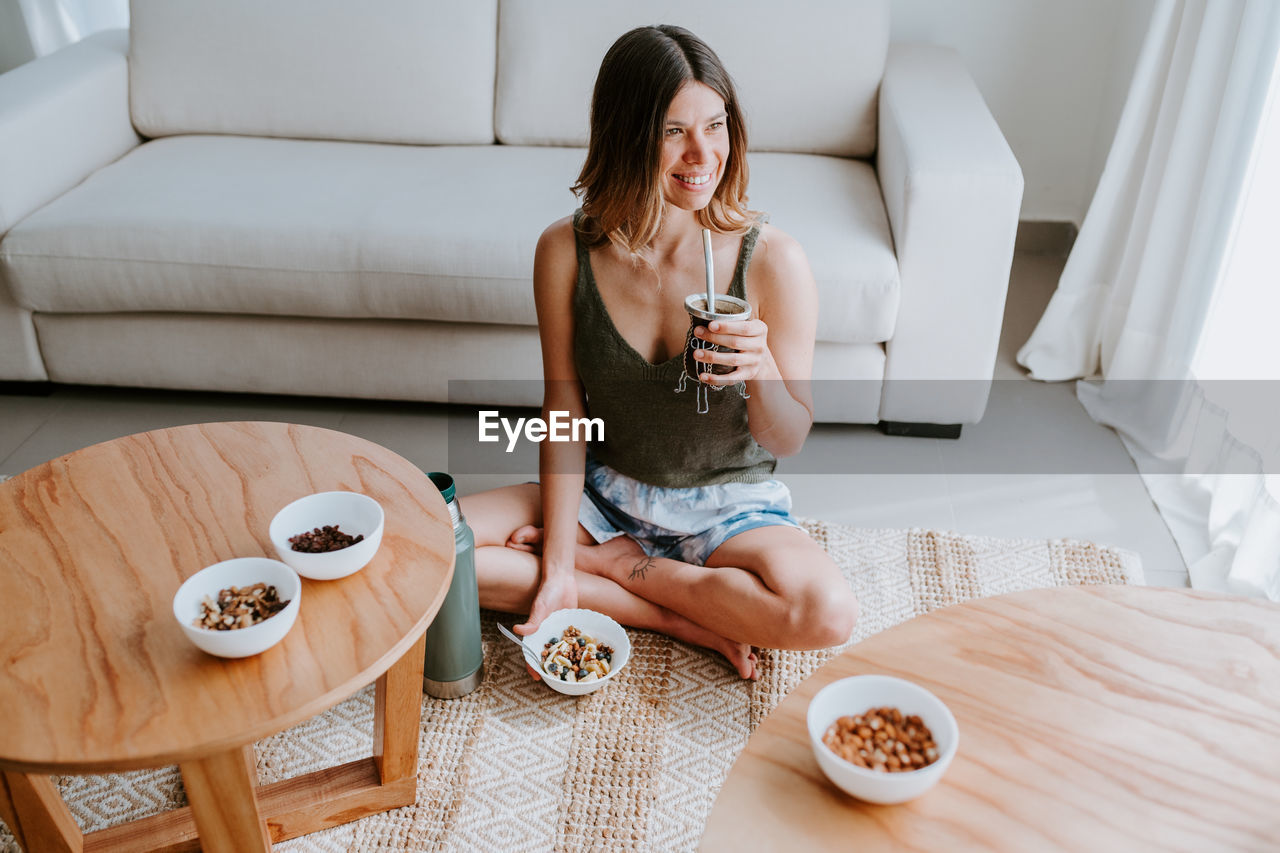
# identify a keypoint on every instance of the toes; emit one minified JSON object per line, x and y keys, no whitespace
{"x":744,"y":664}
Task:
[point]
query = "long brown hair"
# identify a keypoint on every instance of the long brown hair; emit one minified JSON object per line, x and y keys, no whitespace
{"x":620,"y":184}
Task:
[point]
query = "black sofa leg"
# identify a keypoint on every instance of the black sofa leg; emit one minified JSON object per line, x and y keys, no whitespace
{"x":26,"y":389}
{"x":918,"y":430}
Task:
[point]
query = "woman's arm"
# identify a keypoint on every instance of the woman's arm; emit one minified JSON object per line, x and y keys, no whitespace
{"x":560,"y":464}
{"x":776,"y":346}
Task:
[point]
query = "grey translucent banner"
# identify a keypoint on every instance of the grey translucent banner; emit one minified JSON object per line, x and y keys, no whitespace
{"x":1027,"y":427}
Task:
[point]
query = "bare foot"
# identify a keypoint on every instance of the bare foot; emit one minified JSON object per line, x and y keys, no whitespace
{"x":747,"y":666}
{"x":623,"y":556}
{"x":597,"y":558}
{"x":527,"y":538}
{"x":739,"y":655}
{"x":608,"y":558}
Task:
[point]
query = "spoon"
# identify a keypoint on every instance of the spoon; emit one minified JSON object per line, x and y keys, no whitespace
{"x":529,"y":656}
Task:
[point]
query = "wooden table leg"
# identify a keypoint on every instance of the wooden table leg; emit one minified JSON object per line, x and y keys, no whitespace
{"x":397,"y":715}
{"x":251,"y":763}
{"x":224,"y":803}
{"x":37,"y":816}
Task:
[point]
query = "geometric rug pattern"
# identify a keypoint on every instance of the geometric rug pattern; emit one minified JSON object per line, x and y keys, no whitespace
{"x":515,"y":766}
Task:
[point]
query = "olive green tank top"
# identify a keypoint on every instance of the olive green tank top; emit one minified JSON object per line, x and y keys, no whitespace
{"x":652,"y":431}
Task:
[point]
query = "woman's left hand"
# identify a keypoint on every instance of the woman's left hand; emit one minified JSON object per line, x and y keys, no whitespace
{"x":749,"y":337}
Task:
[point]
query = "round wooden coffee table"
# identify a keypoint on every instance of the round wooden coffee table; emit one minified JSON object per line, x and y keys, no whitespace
{"x":97,"y":676}
{"x":1091,"y":718}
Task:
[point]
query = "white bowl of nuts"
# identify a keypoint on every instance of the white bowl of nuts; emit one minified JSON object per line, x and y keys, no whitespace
{"x":240,"y":607}
{"x":881,"y":739}
{"x":328,"y":535}
{"x":580,"y":650}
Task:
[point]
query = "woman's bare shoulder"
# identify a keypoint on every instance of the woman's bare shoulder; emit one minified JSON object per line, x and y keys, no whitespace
{"x":557,"y":249}
{"x":558,"y":236}
{"x":778,"y":250}
{"x":779,"y":259}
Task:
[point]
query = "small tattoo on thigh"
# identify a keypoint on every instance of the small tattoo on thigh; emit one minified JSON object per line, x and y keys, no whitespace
{"x":641,"y":569}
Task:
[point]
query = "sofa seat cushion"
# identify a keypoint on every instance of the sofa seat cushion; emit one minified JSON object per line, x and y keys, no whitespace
{"x":244,"y":225}
{"x":240,"y":225}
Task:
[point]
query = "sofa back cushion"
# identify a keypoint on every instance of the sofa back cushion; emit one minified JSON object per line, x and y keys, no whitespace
{"x":409,"y":71}
{"x":807,"y":72}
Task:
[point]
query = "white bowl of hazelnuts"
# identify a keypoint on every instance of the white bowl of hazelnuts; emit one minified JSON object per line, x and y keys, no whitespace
{"x":881,"y":739}
{"x":240,"y":607}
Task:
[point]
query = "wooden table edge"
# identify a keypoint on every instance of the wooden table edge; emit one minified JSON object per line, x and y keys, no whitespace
{"x":152,"y":762}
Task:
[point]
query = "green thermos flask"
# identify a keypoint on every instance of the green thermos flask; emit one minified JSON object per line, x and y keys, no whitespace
{"x":454,"y":664}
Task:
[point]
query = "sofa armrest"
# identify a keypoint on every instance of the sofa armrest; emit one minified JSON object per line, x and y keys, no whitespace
{"x":62,"y":117}
{"x":953,"y":190}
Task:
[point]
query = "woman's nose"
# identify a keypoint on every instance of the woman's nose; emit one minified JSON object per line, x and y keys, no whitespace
{"x":696,"y":149}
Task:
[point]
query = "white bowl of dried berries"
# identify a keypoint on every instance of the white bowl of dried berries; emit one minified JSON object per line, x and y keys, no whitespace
{"x":580,"y":650}
{"x":328,"y":535}
{"x":239,"y":607}
{"x":881,"y":739}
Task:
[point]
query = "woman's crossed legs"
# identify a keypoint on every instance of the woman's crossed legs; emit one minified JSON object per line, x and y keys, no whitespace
{"x":768,"y":586}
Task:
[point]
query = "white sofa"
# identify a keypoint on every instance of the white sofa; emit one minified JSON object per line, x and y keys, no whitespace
{"x":320,"y":197}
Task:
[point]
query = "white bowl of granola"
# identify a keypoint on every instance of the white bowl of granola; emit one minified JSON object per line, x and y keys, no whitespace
{"x":580,"y":637}
{"x":236,"y":596}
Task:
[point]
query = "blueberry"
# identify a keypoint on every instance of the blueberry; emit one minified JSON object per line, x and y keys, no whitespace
{"x":582,"y":641}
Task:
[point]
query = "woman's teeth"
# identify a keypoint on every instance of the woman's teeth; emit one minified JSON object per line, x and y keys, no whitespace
{"x":693,"y":180}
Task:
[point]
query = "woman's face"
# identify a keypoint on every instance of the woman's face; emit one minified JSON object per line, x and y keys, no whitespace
{"x":695,"y":146}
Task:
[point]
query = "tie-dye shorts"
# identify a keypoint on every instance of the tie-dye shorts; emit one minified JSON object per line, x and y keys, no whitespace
{"x":682,"y":524}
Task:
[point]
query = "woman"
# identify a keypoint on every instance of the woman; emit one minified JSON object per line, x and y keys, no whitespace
{"x":681,"y":528}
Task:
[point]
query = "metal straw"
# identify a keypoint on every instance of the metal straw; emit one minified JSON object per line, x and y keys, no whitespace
{"x":711,"y":274}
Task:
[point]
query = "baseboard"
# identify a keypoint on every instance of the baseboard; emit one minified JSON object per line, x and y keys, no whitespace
{"x":1045,"y":237}
{"x":919,"y":430}
{"x":26,"y":389}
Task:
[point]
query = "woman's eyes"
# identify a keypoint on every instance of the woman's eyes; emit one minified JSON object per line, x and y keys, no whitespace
{"x":676,"y":131}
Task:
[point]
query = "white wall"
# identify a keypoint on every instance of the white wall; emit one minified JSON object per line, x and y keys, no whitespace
{"x":15,"y":43}
{"x":1053,"y":72}
{"x":33,"y":28}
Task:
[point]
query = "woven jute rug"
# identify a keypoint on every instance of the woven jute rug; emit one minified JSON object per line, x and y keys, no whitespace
{"x":635,"y":766}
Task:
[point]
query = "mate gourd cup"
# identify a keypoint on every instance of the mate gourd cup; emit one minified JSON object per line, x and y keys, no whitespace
{"x":727,"y":308}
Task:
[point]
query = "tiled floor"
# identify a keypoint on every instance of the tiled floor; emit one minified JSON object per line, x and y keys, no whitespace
{"x":1036,"y":466}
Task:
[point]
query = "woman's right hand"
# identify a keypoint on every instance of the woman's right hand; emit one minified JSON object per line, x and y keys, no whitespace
{"x":559,"y":591}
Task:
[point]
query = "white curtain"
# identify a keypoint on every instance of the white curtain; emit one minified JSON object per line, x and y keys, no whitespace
{"x":30,"y":29}
{"x":1148,"y":267}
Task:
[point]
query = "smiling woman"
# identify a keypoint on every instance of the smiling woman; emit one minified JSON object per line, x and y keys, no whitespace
{"x":671,"y":520}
